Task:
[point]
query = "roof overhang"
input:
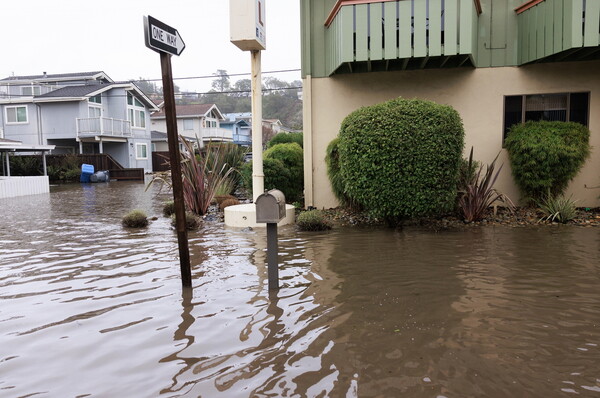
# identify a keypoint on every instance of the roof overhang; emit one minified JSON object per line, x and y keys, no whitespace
{"x":26,"y":148}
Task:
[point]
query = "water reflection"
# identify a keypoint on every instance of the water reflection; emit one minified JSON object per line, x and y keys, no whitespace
{"x":362,"y":312}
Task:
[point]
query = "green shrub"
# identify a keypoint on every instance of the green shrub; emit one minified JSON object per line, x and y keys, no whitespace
{"x":558,"y":209}
{"x":286,"y":138}
{"x":192,"y":221}
{"x":332,"y":160}
{"x":21,"y":166}
{"x":399,"y":159}
{"x":313,"y":220}
{"x":545,"y":156}
{"x":135,"y":219}
{"x":169,"y":208}
{"x":283,"y":170}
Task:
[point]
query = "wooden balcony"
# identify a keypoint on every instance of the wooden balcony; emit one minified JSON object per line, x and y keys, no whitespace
{"x":559,"y":30}
{"x":363,"y":36}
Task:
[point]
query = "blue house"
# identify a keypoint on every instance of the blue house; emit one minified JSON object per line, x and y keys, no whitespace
{"x":240,"y":126}
{"x":79,"y":113}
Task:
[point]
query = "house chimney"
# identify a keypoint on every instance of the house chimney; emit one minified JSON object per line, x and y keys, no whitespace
{"x":45,"y":75}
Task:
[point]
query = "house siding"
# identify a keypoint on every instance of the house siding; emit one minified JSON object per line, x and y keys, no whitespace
{"x":28,"y":133}
{"x":477,"y":94}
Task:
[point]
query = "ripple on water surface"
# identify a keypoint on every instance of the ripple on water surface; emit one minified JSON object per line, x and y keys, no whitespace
{"x":91,"y":308}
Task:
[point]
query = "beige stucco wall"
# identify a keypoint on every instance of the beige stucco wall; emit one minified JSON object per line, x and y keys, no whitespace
{"x":477,"y":94}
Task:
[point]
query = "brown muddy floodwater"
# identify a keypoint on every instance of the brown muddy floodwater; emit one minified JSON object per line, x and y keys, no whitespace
{"x":88,"y":308}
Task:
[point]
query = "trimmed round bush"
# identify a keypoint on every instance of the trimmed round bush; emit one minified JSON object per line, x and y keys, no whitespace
{"x":285,"y":138}
{"x":400,"y":159}
{"x":332,"y":160}
{"x":135,"y":219}
{"x":546,"y":156}
{"x":312,"y":220}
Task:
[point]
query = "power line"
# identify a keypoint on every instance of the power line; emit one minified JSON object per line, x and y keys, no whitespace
{"x":180,"y":93}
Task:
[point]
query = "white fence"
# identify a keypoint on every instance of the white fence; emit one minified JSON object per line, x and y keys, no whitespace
{"x":21,"y":186}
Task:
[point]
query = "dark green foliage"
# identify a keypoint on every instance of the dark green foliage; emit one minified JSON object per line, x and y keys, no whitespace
{"x":21,"y":166}
{"x":135,"y":219}
{"x":332,"y":160}
{"x":292,"y":158}
{"x":312,"y":220}
{"x":283,"y":170}
{"x":286,"y":138}
{"x":545,"y":156}
{"x":224,"y":155}
{"x":169,"y":208}
{"x":400,"y":159}
{"x":64,"y":168}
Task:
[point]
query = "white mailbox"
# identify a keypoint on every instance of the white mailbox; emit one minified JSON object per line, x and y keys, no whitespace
{"x":247,"y":27}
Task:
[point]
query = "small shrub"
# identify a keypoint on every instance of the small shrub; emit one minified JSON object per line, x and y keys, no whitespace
{"x":192,"y":221}
{"x":546,"y":156}
{"x":221,"y":198}
{"x":313,"y":220}
{"x":286,"y":138}
{"x":283,"y":170}
{"x":399,"y":159}
{"x":169,"y":208}
{"x":560,"y":209}
{"x":228,"y":202}
{"x":480,"y":193}
{"x":135,"y":219}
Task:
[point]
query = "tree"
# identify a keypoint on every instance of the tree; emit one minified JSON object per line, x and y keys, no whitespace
{"x":221,"y":83}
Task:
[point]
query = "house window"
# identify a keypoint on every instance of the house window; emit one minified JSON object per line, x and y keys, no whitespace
{"x":153,"y":146}
{"x":136,"y":112}
{"x":141,"y":151}
{"x":564,"y":107}
{"x":97,"y":99}
{"x":94,"y":112}
{"x":16,"y":115}
{"x":31,"y":90}
{"x":188,"y":124}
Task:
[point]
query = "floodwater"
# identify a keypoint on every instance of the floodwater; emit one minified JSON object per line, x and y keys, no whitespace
{"x":91,"y":309}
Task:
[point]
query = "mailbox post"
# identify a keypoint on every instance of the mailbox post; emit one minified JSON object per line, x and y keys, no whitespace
{"x":270,"y":209}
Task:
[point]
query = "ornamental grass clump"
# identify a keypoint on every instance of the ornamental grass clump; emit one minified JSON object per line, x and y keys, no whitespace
{"x":135,"y":219}
{"x":313,"y":220}
{"x":558,"y":209}
{"x":546,"y":156}
{"x":400,"y":159}
{"x":192,"y":221}
{"x":169,"y":208}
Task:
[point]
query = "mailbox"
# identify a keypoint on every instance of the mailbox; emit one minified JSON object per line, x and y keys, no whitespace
{"x":270,"y":207}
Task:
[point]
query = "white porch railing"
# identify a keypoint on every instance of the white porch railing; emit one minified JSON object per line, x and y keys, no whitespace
{"x":215,"y":133}
{"x":104,"y":126}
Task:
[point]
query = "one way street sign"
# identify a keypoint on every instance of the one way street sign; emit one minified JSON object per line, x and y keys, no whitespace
{"x":161,"y":37}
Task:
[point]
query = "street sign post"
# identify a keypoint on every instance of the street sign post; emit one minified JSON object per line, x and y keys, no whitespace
{"x":165,"y":40}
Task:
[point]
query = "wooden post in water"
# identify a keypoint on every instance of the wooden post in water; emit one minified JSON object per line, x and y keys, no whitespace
{"x":175,"y":160}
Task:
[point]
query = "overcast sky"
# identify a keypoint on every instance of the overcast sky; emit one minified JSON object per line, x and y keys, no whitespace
{"x":65,"y":36}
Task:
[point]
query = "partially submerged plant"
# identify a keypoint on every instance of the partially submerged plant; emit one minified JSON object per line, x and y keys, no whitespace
{"x":480,"y":193}
{"x":135,"y":219}
{"x":313,"y":220}
{"x":558,"y":208}
{"x":169,"y":208}
{"x":192,"y":221}
{"x":201,"y":175}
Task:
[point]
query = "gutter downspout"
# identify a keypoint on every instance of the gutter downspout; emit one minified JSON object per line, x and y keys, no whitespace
{"x":39,"y":125}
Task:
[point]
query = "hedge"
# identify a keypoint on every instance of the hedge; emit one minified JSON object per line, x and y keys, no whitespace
{"x":400,"y":159}
{"x":546,"y":156}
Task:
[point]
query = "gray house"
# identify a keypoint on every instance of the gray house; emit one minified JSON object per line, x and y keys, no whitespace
{"x":79,"y":113}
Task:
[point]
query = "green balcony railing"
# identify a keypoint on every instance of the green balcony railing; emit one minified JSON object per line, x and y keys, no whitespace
{"x":401,"y":34}
{"x":559,"y":30}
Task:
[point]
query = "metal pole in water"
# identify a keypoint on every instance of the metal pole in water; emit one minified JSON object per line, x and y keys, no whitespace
{"x":272,"y":256}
